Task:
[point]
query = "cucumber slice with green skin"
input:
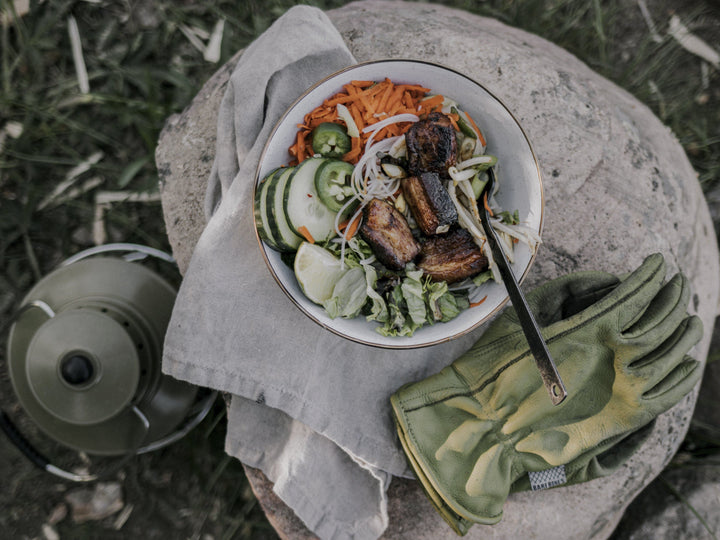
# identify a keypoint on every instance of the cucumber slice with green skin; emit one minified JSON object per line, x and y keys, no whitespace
{"x":285,"y":237}
{"x":333,"y":184}
{"x":260,"y":206}
{"x":303,"y":206}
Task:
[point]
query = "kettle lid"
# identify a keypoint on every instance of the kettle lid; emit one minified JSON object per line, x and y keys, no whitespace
{"x":82,"y":366}
{"x":79,"y":366}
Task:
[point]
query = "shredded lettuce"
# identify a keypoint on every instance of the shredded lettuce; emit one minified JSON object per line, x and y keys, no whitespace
{"x":509,"y":218}
{"x":451,"y":305}
{"x":378,"y":307}
{"x":349,"y":295}
{"x":398,"y":323}
{"x":414,"y":295}
{"x":482,"y":277}
{"x":416,"y":302}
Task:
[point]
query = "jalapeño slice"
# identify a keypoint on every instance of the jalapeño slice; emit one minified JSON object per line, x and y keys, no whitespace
{"x":330,"y":140}
{"x":333,"y":184}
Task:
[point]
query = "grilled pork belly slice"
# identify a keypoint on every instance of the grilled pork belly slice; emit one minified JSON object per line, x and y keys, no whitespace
{"x":388,"y":234}
{"x":451,"y":257}
{"x":431,"y":145}
{"x":430,"y":203}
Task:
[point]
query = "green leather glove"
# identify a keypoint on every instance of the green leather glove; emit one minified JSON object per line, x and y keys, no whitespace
{"x":474,"y":431}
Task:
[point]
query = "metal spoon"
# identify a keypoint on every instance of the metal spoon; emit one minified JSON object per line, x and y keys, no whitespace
{"x":543,"y":360}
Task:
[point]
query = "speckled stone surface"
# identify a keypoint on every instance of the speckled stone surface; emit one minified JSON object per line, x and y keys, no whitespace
{"x":617,"y":187}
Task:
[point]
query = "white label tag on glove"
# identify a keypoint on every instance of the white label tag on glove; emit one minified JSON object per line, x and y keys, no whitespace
{"x":547,"y":478}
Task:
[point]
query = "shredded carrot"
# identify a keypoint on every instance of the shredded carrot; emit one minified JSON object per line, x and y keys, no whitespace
{"x":414,"y":88}
{"x":362,"y":84}
{"x":454,"y":121}
{"x":487,"y":206}
{"x":477,"y":129}
{"x":305,"y":233}
{"x":475,"y":304}
{"x":354,"y":153}
{"x":357,"y":116}
{"x":384,"y":98}
{"x":432,"y":103}
{"x":300,"y":146}
{"x":368,"y":103}
{"x":352,"y":227}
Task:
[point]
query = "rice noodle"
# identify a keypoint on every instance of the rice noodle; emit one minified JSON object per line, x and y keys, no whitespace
{"x":369,"y":181}
{"x":471,"y":162}
{"x":458,"y":175}
{"x":404,"y":117}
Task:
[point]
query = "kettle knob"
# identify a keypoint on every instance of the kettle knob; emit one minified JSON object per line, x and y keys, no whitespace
{"x":76,"y":370}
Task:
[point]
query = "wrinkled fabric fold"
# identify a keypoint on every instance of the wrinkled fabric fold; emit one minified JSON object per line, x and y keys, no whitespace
{"x":234,"y":330}
{"x":286,"y":451}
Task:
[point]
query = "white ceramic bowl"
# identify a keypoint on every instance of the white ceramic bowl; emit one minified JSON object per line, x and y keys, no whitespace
{"x":518,"y":175}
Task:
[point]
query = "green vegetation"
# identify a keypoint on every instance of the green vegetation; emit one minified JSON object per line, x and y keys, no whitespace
{"x":144,"y":63}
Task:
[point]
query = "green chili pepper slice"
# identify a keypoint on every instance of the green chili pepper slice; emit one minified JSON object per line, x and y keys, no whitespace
{"x":333,"y":184}
{"x":463,"y":124}
{"x":330,"y":140}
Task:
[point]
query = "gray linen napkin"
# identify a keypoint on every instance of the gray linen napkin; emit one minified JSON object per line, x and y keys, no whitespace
{"x":309,"y":408}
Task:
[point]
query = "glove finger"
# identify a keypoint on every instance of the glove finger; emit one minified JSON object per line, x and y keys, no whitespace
{"x":585,"y":293}
{"x":656,"y":366}
{"x":567,"y":295}
{"x":608,"y":456}
{"x":663,"y":314}
{"x":555,"y":300}
{"x":679,"y":382}
{"x":630,"y":298}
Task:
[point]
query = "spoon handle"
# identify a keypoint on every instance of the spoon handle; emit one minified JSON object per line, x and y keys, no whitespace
{"x":548,"y":371}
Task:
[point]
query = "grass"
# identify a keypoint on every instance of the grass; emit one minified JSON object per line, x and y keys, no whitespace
{"x":142,"y":66}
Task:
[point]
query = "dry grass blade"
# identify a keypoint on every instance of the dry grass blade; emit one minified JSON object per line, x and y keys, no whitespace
{"x":693,"y":43}
{"x":78,"y":58}
{"x":213,"y":48}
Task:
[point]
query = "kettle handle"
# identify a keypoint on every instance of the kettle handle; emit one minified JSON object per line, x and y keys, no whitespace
{"x":40,"y":461}
{"x":135,"y":252}
{"x":21,"y":442}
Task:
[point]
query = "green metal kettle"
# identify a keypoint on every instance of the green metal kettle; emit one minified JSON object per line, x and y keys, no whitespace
{"x":84,"y":357}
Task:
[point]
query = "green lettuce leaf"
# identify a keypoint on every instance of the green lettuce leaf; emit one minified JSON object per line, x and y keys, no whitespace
{"x":482,"y":278}
{"x":378,"y":307}
{"x":414,"y":295}
{"x":349,"y":295}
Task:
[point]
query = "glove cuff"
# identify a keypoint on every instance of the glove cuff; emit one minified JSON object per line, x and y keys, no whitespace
{"x":439,"y":427}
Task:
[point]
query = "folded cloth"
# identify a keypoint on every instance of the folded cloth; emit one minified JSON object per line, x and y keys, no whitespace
{"x":309,"y":408}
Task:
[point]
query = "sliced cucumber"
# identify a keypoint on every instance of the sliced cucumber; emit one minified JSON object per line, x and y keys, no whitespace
{"x":303,"y":206}
{"x":284,"y":236}
{"x":261,"y":217}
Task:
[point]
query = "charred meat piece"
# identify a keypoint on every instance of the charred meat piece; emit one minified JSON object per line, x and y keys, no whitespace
{"x":451,"y":257}
{"x":430,"y":203}
{"x":388,"y":234}
{"x":431,"y":145}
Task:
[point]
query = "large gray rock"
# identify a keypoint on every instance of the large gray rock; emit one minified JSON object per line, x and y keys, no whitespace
{"x":682,"y":503}
{"x":617,"y":186}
